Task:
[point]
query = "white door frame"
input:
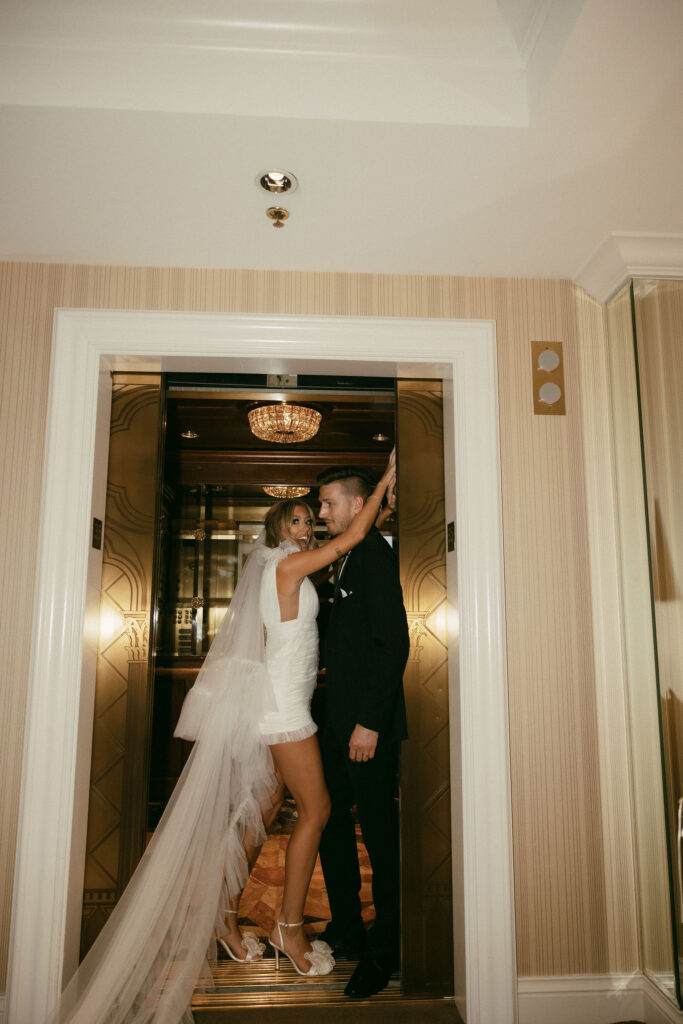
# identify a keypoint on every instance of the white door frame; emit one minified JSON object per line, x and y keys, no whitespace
{"x":87,"y":345}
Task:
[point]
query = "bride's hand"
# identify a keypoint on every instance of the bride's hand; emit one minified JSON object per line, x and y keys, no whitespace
{"x":391,"y":496}
{"x":389,"y":474}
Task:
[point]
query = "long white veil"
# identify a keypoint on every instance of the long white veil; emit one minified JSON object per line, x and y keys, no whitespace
{"x":145,"y":963}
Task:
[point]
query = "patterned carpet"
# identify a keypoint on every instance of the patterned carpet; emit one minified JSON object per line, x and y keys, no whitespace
{"x":261,"y":899}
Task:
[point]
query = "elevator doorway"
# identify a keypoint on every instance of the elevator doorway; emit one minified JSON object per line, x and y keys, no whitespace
{"x":87,"y":347}
{"x":211,"y":502}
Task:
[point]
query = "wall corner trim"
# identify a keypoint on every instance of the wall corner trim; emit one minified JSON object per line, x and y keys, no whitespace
{"x":622,"y":256}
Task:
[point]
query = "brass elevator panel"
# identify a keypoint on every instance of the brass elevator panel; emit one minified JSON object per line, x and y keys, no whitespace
{"x":115,"y":836}
{"x":427,"y":911}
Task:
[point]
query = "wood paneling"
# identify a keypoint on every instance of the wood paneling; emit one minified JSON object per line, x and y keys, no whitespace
{"x":348,"y":422}
{"x":559,"y":877}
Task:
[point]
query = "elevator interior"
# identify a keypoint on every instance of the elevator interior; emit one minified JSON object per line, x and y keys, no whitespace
{"x":212,"y":507}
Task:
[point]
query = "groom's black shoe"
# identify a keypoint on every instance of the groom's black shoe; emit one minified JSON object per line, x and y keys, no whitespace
{"x":348,"y":943}
{"x":371,"y":976}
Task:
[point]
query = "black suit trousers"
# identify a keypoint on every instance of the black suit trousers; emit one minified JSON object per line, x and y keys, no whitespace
{"x":371,"y":786}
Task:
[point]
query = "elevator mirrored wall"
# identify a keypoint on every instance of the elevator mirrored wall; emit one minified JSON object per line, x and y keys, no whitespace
{"x":645,"y":324}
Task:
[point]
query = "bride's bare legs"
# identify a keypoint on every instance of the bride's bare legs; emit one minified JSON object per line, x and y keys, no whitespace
{"x":233,"y":934}
{"x":300,"y":766}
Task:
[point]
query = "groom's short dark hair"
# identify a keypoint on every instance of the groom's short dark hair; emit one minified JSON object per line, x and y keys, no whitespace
{"x":355,"y":481}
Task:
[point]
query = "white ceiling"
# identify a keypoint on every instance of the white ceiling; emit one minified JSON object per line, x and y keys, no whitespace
{"x":432,"y":62}
{"x":484,"y":137}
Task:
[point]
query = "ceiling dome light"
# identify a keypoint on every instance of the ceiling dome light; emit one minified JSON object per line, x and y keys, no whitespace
{"x":380,"y":437}
{"x":286,"y":424}
{"x":286,"y":491}
{"x":189,"y":433}
{"x":278,"y":181}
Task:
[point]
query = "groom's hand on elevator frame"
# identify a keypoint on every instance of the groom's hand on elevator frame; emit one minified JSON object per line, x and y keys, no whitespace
{"x":363,"y":743}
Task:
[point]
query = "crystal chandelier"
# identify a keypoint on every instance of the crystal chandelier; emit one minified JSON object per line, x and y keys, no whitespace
{"x":286,"y":424}
{"x":286,"y":491}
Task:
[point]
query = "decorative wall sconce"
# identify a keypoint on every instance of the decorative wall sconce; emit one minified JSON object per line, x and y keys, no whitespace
{"x":286,"y":424}
{"x":548,"y":378}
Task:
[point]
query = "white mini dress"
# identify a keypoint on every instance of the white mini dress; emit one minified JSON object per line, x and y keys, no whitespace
{"x":291,"y":661}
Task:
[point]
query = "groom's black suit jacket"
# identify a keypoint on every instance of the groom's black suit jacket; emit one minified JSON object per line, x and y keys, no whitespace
{"x":366,"y":644}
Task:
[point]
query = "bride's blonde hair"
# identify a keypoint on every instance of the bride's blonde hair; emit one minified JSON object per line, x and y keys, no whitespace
{"x":279,"y":519}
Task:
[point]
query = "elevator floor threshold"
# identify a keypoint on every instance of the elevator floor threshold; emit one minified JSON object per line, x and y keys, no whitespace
{"x":254,"y":983}
{"x":246,"y":992}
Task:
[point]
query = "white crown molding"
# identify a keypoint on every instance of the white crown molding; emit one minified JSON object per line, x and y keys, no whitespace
{"x":396,"y":90}
{"x":594,"y":999}
{"x":622,"y":256}
{"x":85,"y":343}
{"x":365,"y":62}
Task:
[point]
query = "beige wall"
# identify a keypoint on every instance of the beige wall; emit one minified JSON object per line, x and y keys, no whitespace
{"x":561,"y":912}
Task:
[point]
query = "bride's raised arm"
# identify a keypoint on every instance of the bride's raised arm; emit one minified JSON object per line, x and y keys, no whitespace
{"x":303,"y":563}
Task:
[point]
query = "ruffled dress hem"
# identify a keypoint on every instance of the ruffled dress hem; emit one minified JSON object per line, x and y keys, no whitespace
{"x":292,"y":736}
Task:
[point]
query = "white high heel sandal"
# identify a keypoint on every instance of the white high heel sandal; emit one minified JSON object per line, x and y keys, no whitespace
{"x":254,"y":948}
{"x":320,"y":959}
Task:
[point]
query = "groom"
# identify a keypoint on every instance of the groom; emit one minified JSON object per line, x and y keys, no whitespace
{"x":365,"y":653}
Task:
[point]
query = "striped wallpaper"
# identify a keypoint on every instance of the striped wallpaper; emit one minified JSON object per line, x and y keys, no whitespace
{"x":560,"y":893}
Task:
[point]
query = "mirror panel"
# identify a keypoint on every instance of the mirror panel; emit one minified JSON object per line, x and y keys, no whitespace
{"x":637,"y":385}
{"x":658,"y":307}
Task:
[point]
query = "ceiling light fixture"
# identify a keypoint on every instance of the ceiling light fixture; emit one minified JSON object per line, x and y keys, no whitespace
{"x":380,"y":437}
{"x":286,"y":424}
{"x":286,"y":491}
{"x":189,"y":434}
{"x":278,"y":181}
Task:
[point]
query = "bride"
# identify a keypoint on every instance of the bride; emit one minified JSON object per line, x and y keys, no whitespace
{"x":248,"y":713}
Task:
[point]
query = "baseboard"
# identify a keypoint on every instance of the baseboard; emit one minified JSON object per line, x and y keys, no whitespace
{"x":588,"y":998}
{"x":658,"y":1009}
{"x":594,"y":999}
